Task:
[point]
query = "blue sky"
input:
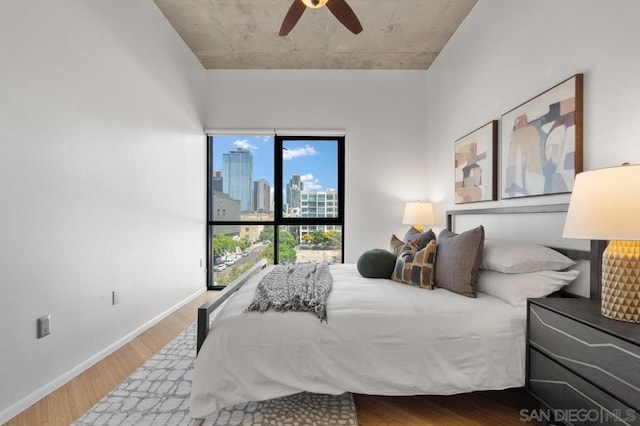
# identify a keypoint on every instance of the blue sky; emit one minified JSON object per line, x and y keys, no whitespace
{"x":315,"y":161}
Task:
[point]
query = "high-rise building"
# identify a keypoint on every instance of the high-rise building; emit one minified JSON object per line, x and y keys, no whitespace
{"x":261,"y":196}
{"x":237,"y":169}
{"x":294,"y":187}
{"x":216,"y":180}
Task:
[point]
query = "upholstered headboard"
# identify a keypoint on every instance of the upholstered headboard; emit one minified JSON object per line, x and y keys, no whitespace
{"x":593,"y":254}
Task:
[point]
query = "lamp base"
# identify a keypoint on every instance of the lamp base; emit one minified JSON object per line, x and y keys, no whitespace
{"x":621,"y":281}
{"x":419,"y":228}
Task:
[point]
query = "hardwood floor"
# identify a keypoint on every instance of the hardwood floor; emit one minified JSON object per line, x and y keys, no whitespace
{"x":493,"y":408}
{"x":72,"y":400}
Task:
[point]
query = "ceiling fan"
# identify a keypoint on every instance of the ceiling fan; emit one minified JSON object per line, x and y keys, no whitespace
{"x":340,"y":9}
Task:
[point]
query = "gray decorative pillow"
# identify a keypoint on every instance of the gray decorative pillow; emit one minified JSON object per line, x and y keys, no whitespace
{"x":412,"y":234}
{"x":458,"y":260}
{"x":376,"y":263}
{"x":423,"y":238}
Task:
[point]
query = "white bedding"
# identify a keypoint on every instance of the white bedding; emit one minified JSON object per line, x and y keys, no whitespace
{"x":381,"y":338}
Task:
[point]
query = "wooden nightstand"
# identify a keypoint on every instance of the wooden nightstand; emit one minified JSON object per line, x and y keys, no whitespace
{"x":581,"y":366}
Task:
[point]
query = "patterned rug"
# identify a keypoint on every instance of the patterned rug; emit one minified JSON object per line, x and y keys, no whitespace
{"x":158,"y":394}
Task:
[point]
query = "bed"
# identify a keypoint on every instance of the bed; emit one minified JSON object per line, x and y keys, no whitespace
{"x":380,"y":338}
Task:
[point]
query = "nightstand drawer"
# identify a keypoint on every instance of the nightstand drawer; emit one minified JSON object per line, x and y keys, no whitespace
{"x":611,"y":363}
{"x":574,"y":400}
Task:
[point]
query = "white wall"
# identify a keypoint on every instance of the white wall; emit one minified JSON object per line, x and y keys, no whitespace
{"x":508,"y":51}
{"x":102,"y":153}
{"x":383,"y":113}
{"x":101,"y":182}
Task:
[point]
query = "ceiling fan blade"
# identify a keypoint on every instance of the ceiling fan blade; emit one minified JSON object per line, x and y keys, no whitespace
{"x":343,"y":12}
{"x":292,"y":17}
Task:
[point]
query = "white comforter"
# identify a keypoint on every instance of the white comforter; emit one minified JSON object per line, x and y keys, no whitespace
{"x":381,"y":338}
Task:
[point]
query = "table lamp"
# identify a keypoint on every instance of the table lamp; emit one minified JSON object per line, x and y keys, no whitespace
{"x":418,"y":214}
{"x":605,"y":205}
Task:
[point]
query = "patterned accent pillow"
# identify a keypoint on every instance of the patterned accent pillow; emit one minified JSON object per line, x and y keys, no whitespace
{"x":458,"y":261}
{"x":416,"y":266}
{"x":412,"y":234}
{"x":395,"y":245}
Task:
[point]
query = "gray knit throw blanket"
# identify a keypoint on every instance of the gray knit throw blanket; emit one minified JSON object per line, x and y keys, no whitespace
{"x":300,"y":287}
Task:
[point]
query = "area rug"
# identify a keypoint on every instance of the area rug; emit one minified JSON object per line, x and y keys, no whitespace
{"x":158,"y":394}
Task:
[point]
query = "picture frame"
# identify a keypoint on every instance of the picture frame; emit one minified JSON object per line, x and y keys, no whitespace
{"x":476,"y":165}
{"x":541,"y":142}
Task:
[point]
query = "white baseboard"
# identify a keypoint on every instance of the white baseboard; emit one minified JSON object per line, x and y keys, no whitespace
{"x":29,"y":400}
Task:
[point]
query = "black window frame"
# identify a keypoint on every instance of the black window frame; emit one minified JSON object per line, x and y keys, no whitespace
{"x":279,"y":219}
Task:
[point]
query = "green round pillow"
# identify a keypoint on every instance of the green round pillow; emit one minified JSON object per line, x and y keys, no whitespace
{"x":376,"y":263}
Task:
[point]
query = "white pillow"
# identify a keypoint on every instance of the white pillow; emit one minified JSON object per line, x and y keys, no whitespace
{"x":516,"y":288}
{"x":515,"y":257}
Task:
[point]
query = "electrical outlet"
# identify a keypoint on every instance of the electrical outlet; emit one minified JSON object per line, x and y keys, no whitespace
{"x":44,"y":326}
{"x":115,"y":297}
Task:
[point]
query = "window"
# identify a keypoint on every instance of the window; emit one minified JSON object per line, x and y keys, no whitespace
{"x":274,"y":197}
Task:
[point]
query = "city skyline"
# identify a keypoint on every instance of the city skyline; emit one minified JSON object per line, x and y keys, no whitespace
{"x":315,"y":161}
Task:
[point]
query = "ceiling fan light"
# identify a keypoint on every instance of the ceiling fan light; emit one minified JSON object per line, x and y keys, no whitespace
{"x":314,"y":4}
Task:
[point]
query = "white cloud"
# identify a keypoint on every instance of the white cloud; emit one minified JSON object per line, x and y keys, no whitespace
{"x":298,"y":152}
{"x":311,"y":183}
{"x":244,"y":144}
{"x":263,"y":138}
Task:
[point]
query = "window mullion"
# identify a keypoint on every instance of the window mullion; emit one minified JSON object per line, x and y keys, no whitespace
{"x":277,"y":197}
{"x":307,"y":216}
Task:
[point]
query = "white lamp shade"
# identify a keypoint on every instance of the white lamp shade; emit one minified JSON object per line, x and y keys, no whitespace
{"x":418,"y":213}
{"x":605,"y":205}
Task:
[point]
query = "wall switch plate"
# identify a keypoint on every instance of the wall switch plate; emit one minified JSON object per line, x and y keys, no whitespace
{"x":44,"y":326}
{"x":115,"y":297}
{"x":201,"y":262}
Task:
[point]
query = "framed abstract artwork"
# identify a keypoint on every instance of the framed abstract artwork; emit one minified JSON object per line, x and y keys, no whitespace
{"x":475,"y":165}
{"x":541,"y":142}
